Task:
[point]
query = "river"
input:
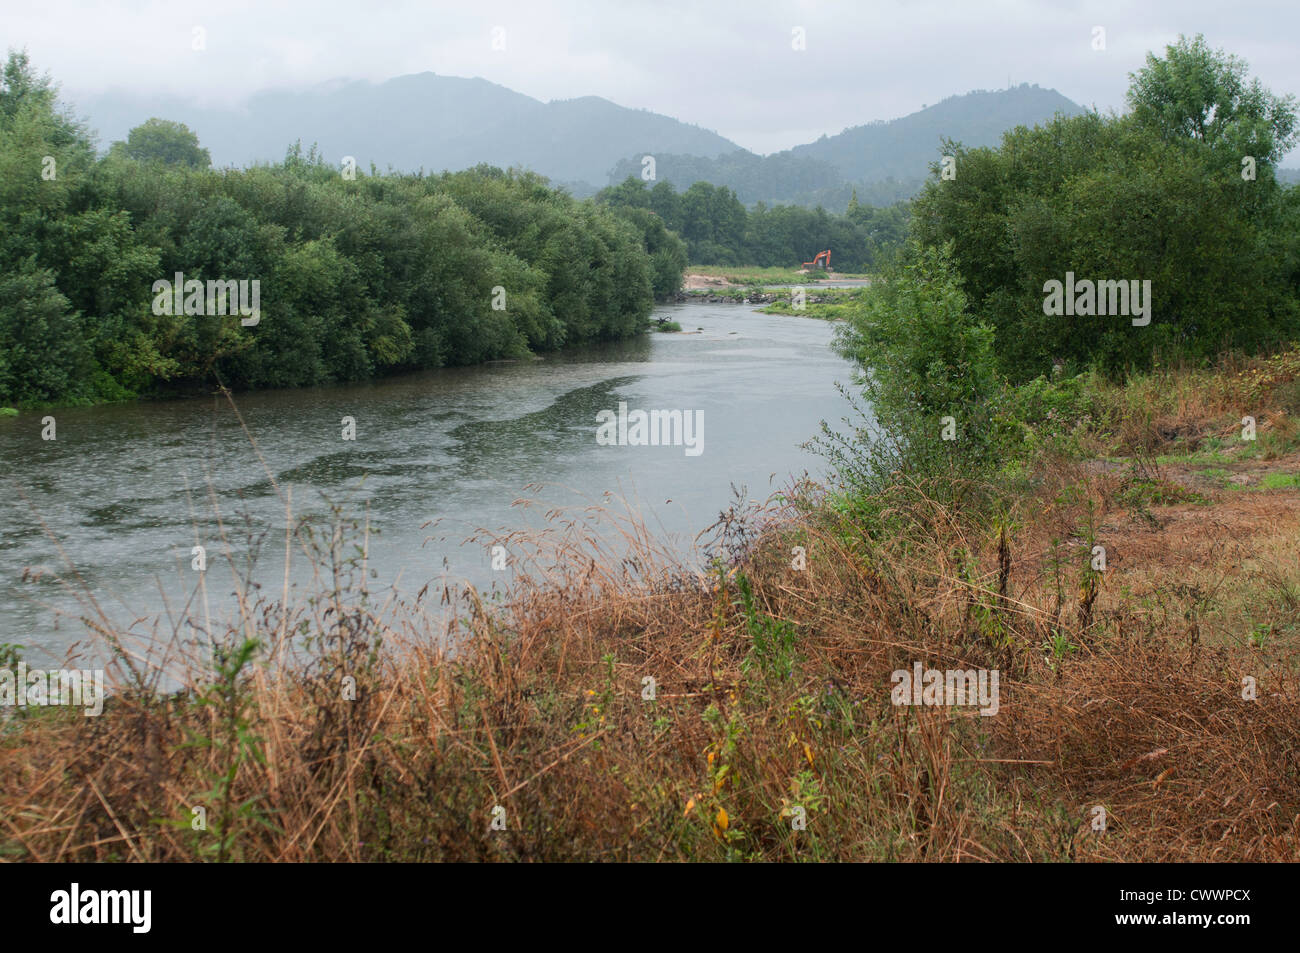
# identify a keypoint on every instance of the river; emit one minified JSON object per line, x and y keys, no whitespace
{"x":127,"y":490}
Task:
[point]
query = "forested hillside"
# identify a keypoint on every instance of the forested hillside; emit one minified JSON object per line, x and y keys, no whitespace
{"x":421,"y":121}
{"x":719,"y":230}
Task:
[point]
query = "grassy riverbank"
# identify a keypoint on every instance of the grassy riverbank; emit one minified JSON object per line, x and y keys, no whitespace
{"x":1120,"y":689}
{"x":831,"y":304}
{"x":826,"y":303}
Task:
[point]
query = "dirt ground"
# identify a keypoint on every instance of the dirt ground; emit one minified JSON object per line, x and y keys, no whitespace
{"x":701,"y":282}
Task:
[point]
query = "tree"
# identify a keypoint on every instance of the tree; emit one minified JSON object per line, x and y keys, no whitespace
{"x":1112,"y":199}
{"x":170,"y":143}
{"x":43,"y":354}
{"x":353,"y":277}
{"x":667,"y":251}
{"x":1203,"y":94}
{"x":21,"y":88}
{"x":630,"y":193}
{"x":928,"y":367}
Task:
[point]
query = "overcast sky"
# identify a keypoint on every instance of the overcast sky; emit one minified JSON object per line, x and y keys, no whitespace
{"x":727,"y":66}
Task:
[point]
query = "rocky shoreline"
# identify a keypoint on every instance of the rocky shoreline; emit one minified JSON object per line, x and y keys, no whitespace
{"x":741,"y":298}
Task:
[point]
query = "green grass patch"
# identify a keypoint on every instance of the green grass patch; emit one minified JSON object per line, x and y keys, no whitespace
{"x":837,"y":303}
{"x":1215,"y":475}
{"x":736,"y":294}
{"x":1279,"y":481}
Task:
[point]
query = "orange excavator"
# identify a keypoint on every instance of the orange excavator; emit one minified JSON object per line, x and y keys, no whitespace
{"x":820,"y":260}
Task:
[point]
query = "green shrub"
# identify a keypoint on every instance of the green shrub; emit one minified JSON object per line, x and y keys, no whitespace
{"x":928,"y":371}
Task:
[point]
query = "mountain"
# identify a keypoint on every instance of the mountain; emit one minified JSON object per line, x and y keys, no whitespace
{"x":905,"y":147}
{"x":884,"y":162}
{"x":754,"y":178}
{"x":419,"y":121}
{"x":775,"y":179}
{"x":446,"y":122}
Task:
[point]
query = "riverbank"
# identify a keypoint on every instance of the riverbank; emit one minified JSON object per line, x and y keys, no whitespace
{"x":707,"y":277}
{"x":629,"y":710}
{"x":825,"y":303}
{"x":743,"y":296}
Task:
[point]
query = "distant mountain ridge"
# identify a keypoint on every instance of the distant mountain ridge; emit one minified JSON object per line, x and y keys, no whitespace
{"x":420,"y":121}
{"x":896,"y":148}
{"x":883,"y":162}
{"x":431,"y":122}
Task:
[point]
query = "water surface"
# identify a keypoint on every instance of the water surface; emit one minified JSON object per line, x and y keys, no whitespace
{"x":127,"y":490}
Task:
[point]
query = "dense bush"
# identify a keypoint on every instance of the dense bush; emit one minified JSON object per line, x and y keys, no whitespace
{"x":358,"y":276}
{"x":929,"y":372}
{"x":1156,"y":195}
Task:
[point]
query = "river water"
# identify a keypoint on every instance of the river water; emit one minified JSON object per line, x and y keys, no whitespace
{"x":127,"y":490}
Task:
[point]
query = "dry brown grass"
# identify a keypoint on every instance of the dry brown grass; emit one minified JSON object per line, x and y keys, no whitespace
{"x":1180,"y":407}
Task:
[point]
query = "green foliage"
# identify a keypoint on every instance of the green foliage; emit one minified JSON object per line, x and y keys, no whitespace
{"x":718,"y":230}
{"x":772,"y":640}
{"x":1047,"y":414}
{"x":171,"y":143}
{"x":43,"y":352}
{"x":232,"y":743}
{"x":1155,"y":196}
{"x":667,"y":252}
{"x":836,"y":303}
{"x":1203,"y":94}
{"x":359,"y":277}
{"x":924,"y":358}
{"x":1146,"y":486}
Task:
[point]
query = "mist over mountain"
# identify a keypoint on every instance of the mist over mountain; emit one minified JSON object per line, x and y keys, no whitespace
{"x":419,"y":121}
{"x":436,"y":123}
{"x":883,"y":161}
